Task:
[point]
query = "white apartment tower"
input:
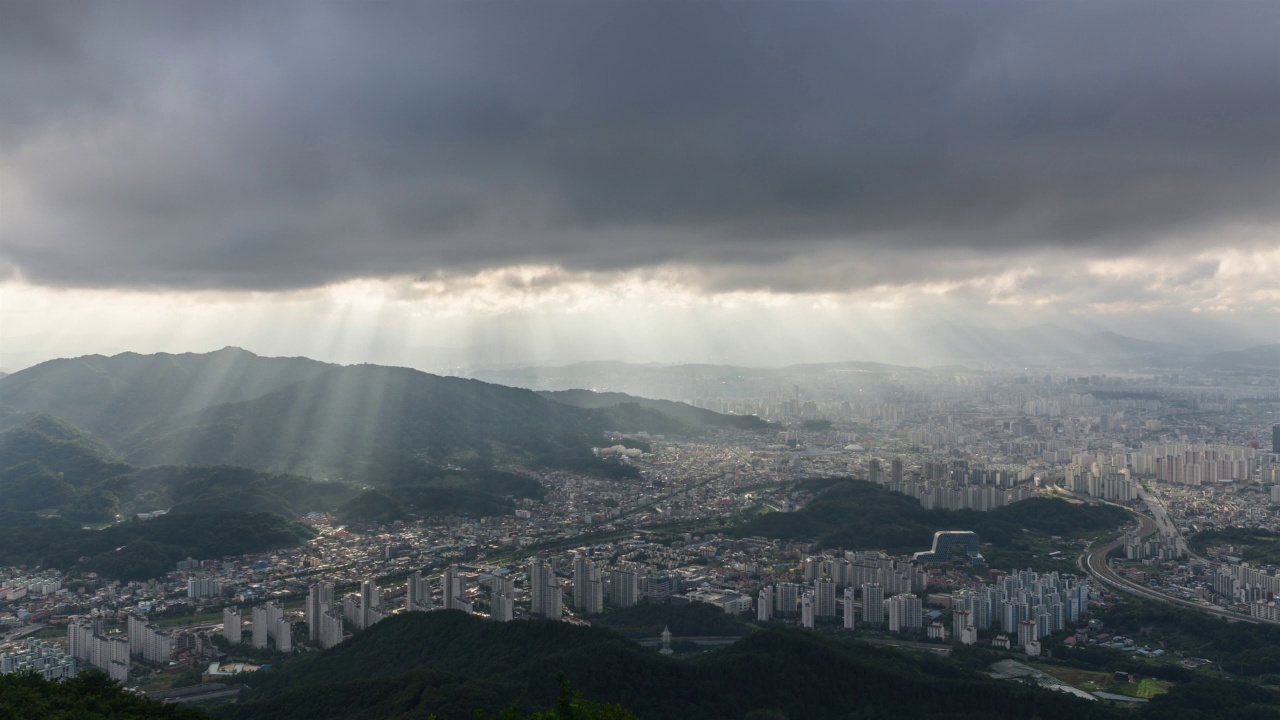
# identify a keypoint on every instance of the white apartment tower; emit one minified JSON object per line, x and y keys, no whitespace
{"x":232,"y":624}
{"x":872,"y":603}
{"x":588,"y":590}
{"x":764,"y":604}
{"x":545,"y":599}
{"x":452,"y":595}
{"x":417,"y":593}
{"x":319,"y":601}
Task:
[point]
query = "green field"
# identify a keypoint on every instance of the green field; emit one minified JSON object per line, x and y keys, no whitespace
{"x":1093,"y":681}
{"x":1088,"y":680}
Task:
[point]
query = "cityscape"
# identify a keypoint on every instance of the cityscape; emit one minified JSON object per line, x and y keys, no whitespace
{"x":591,"y":545}
{"x":639,"y":360}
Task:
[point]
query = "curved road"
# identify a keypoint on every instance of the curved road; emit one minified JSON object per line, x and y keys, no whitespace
{"x":1095,"y":563}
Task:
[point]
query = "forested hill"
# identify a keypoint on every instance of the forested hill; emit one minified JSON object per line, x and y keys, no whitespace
{"x":859,"y":514}
{"x":112,"y":397}
{"x":91,"y":696}
{"x":452,"y":664}
{"x":142,"y":549}
{"x":300,"y":416}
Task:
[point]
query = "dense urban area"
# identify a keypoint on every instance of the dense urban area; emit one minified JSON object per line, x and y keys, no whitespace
{"x":1194,"y":456}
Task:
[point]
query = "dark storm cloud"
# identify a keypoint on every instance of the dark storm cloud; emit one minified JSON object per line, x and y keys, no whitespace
{"x":268,"y":145}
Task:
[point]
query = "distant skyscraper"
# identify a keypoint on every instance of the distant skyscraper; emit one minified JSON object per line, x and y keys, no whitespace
{"x":1026,"y":632}
{"x":283,"y":634}
{"x":895,"y":470}
{"x":1275,"y":438}
{"x":806,"y":609}
{"x":451,"y":590}
{"x":825,"y":598}
{"x":319,"y":601}
{"x":330,"y":629}
{"x":624,"y":588}
{"x":260,"y":629}
{"x":764,"y":604}
{"x":232,"y":624}
{"x":588,"y":590}
{"x":872,"y":603}
{"x":370,"y":600}
{"x":850,"y":620}
{"x":786,"y":598}
{"x":417,"y":593}
{"x":545,"y":599}
{"x":501,"y":607}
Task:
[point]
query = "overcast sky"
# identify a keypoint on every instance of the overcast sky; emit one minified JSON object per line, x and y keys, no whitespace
{"x":632,"y":179}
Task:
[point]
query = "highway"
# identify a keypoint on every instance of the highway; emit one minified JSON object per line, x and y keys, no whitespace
{"x":1095,"y":564}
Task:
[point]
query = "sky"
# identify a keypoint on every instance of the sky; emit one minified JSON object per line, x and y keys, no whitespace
{"x":492,"y":182}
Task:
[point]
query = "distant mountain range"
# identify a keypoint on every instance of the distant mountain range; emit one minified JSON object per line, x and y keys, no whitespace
{"x":683,"y":412}
{"x":949,"y":348}
{"x":1260,"y":358}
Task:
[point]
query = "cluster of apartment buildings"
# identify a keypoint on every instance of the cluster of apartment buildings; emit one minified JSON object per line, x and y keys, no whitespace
{"x":42,"y":658}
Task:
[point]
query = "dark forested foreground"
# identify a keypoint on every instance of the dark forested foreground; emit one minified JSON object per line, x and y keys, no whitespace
{"x":91,"y":696}
{"x":451,"y":664}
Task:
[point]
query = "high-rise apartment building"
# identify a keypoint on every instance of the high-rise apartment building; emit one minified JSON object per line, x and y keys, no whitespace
{"x":232,"y":624}
{"x":370,"y":600}
{"x":148,"y":642}
{"x":787,"y":599}
{"x":1026,"y":633}
{"x":261,"y":631}
{"x":624,"y":588}
{"x":872,"y":604}
{"x":824,"y":592}
{"x":806,"y":610}
{"x":452,"y":592}
{"x":764,"y":604}
{"x":201,"y":587}
{"x":319,"y":602}
{"x":588,"y":590}
{"x":545,"y":599}
{"x":417,"y":593}
{"x":501,"y":607}
{"x":330,"y":628}
{"x":87,"y":644}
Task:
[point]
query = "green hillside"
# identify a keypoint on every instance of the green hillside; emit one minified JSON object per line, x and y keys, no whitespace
{"x":858,"y":514}
{"x":357,"y":422}
{"x":293,"y":415}
{"x":48,"y":465}
{"x":77,"y":457}
{"x":141,"y":549}
{"x":112,"y":397}
{"x":90,"y":696}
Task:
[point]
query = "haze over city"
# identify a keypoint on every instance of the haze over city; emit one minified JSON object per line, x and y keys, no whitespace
{"x":471,"y":184}
{"x":640,"y":360}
